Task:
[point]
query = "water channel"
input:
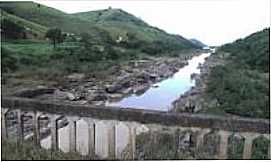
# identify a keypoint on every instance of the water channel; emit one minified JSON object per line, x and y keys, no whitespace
{"x":161,"y":95}
{"x":158,"y":97}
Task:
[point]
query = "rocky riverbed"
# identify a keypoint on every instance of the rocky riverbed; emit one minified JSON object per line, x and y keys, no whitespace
{"x":193,"y":101}
{"x":131,"y":77}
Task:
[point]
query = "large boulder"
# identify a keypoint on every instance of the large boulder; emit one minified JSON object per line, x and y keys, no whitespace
{"x":65,"y":95}
{"x":76,"y":77}
{"x":113,"y":88}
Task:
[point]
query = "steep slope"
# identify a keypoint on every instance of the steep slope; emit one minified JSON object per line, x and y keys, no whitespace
{"x":120,"y":23}
{"x":252,"y":51}
{"x":111,"y":26}
{"x":241,"y":86}
{"x":33,"y":29}
{"x":108,"y":15}
{"x":46,"y":16}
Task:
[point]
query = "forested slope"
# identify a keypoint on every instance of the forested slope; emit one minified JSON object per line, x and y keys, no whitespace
{"x":241,"y":86}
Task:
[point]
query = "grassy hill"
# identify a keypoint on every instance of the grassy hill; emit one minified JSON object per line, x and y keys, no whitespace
{"x":116,"y":22}
{"x":120,"y":23}
{"x":100,"y":39}
{"x":34,"y":29}
{"x":241,"y":86}
{"x":45,"y":16}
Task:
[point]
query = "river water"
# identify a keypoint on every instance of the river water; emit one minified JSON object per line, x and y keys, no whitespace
{"x":162,"y":94}
{"x":158,"y":97}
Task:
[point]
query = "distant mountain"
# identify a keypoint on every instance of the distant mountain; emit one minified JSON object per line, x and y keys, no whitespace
{"x":198,"y":43}
{"x":119,"y":25}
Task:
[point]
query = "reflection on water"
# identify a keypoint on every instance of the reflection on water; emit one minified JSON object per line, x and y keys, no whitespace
{"x":162,"y":94}
{"x":155,"y":98}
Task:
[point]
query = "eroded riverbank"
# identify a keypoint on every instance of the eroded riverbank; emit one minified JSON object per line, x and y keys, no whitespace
{"x":130,"y":77}
{"x":161,"y":95}
{"x":193,"y":100}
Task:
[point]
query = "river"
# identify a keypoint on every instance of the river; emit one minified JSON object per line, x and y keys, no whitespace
{"x":158,"y":97}
{"x":161,"y":95}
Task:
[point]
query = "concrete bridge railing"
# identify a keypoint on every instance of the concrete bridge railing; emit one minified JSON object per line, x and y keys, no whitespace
{"x":250,"y":129}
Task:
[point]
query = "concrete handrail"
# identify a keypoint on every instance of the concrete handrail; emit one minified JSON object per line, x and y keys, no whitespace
{"x":234,"y":124}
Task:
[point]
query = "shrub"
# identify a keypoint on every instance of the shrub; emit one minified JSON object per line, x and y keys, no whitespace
{"x":9,"y":62}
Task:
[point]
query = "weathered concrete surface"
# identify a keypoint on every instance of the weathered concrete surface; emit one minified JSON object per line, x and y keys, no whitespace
{"x":142,"y":116}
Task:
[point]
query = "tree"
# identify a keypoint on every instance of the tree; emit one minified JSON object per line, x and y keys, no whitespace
{"x":55,"y":35}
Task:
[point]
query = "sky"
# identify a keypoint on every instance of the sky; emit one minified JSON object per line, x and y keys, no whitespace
{"x":214,"y":22}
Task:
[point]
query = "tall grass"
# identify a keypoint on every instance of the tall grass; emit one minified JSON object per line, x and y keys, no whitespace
{"x":27,"y":151}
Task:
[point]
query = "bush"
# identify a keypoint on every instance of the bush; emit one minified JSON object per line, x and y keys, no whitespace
{"x":26,"y":151}
{"x":240,"y":91}
{"x":9,"y":62}
{"x":241,"y":87}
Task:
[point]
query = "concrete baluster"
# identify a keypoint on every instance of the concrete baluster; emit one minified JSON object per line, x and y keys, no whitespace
{"x":153,"y":134}
{"x":200,"y":137}
{"x":54,"y":131}
{"x":249,"y":137}
{"x":91,"y":136}
{"x":153,"y":137}
{"x":268,"y":137}
{"x":132,"y":139}
{"x":36,"y":130}
{"x":112,"y":140}
{"x":223,"y":144}
{"x":268,"y":153}
{"x":72,"y":133}
{"x":20,"y":126}
{"x":4,"y":132}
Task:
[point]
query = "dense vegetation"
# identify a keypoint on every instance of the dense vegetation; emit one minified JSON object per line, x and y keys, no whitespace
{"x":27,"y":151}
{"x":242,"y":85}
{"x":252,"y":52}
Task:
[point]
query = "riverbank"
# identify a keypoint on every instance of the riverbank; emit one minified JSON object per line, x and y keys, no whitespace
{"x":194,"y":101}
{"x":124,"y":79}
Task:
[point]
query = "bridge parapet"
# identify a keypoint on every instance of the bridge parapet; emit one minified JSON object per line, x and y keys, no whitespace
{"x":132,"y":119}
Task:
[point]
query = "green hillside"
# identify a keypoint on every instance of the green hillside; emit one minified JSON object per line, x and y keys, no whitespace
{"x":241,"y":86}
{"x":46,"y":16}
{"x":116,"y":22}
{"x":33,"y":28}
{"x":92,"y":41}
{"x":252,"y":51}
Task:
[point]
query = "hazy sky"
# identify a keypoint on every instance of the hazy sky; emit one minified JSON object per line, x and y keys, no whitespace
{"x":213,"y":22}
